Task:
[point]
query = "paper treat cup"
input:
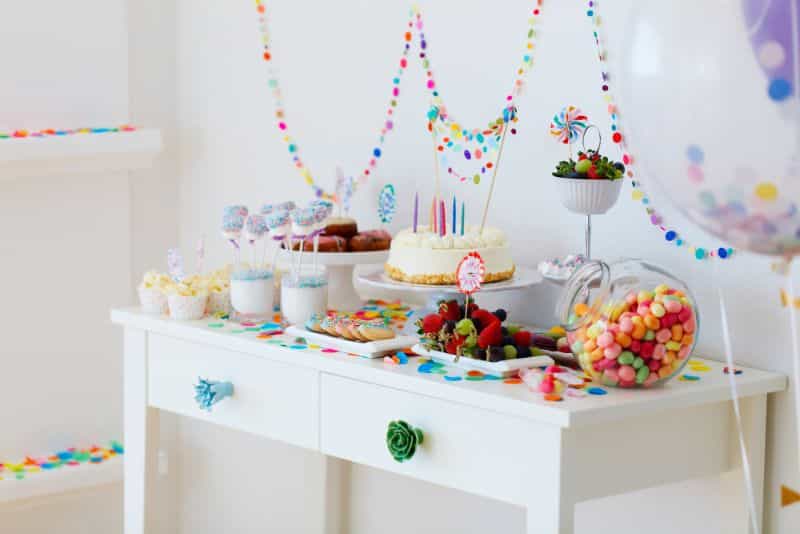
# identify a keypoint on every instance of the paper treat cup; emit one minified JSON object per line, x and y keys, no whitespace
{"x":219,"y":302}
{"x":187,"y":308}
{"x":152,"y":300}
{"x":587,"y":196}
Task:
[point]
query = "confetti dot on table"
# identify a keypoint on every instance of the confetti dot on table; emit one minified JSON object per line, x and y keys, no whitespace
{"x":689,"y":378}
{"x":451,"y":378}
{"x":275,"y":342}
{"x":474,"y":373}
{"x":473,"y":378}
{"x":216,"y":325}
{"x":512,"y":381}
{"x":596,"y":391}
{"x":552,"y":397}
{"x":492,"y":377}
{"x":313,"y":346}
{"x":726,"y":370}
{"x":297,"y":347}
{"x":329,"y":351}
{"x":238,"y":331}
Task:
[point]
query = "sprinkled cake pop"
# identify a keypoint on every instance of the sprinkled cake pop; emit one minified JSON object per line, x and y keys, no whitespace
{"x":235,"y":210}
{"x":279,"y":224}
{"x":256,"y":228}
{"x":232,"y":224}
{"x":266,"y":209}
{"x":303,"y":221}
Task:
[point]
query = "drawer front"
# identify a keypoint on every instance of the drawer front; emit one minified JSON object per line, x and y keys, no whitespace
{"x":463,"y":447}
{"x":270,"y":398}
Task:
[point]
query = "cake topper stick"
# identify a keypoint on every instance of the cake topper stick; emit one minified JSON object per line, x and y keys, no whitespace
{"x":201,"y":253}
{"x":494,"y":176}
{"x":470,"y":274}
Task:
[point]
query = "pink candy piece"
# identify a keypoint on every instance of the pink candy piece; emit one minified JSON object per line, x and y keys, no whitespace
{"x":636,"y":346}
{"x":644,"y":308}
{"x":611,"y":375}
{"x":689,"y":326}
{"x":603,"y":364}
{"x":546,"y":386}
{"x":626,"y":325}
{"x":654,"y":365}
{"x":659,"y":351}
{"x":663,"y":335}
{"x":613,"y":351}
{"x":647,"y":349}
{"x":668,"y":320}
{"x":626,"y":374}
{"x":684,"y":352}
{"x":684,"y":314}
{"x":630,"y":298}
{"x":604,"y":340}
{"x":650,"y":380}
{"x":673,"y":306}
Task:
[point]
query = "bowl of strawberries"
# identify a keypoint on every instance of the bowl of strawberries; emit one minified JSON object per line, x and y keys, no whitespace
{"x":590,"y":185}
{"x":477,"y":338}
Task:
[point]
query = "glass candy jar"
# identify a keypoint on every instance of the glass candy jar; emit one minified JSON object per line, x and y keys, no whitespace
{"x":629,"y":323}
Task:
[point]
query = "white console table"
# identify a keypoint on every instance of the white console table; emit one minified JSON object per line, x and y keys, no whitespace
{"x":488,"y":438}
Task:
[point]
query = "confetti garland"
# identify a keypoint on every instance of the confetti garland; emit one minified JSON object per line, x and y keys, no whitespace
{"x":671,"y":235}
{"x":478,"y":143}
{"x":50,"y":132}
{"x":280,"y":112}
{"x":70,"y":457}
{"x":474,"y":144}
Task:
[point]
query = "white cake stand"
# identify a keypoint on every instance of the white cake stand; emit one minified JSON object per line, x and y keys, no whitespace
{"x":340,"y":266}
{"x":524,"y":278}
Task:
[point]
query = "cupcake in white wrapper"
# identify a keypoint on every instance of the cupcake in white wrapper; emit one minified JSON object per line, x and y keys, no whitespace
{"x":153,"y":292}
{"x":187,"y":303}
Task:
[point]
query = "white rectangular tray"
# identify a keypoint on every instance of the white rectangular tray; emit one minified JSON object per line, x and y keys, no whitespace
{"x":371,"y":349}
{"x":504,"y":368}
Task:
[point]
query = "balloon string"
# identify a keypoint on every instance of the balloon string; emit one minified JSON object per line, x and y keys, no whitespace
{"x":748,"y":477}
{"x":795,"y":355}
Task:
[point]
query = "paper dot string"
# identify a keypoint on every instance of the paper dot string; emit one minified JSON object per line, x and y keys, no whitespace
{"x":51,"y":132}
{"x":465,"y":141}
{"x":71,"y":457}
{"x":694,"y":155}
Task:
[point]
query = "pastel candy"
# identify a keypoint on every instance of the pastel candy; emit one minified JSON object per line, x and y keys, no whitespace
{"x":672,"y":304}
{"x":659,"y":351}
{"x":604,"y":340}
{"x":627,"y":373}
{"x":663,"y":335}
{"x":256,"y":227}
{"x":657,"y":310}
{"x":626,"y":325}
{"x":612,"y":352}
{"x":689,"y":326}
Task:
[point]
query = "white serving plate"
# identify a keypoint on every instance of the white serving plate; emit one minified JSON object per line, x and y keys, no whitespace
{"x":504,"y":368}
{"x":524,"y":277}
{"x":371,"y":349}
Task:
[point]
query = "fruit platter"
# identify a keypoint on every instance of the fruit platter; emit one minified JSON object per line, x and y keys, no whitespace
{"x":480,"y":339}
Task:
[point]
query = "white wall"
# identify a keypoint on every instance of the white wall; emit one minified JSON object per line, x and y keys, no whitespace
{"x":67,"y":252}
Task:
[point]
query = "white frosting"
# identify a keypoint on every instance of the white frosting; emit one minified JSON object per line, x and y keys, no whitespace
{"x":426,"y":253}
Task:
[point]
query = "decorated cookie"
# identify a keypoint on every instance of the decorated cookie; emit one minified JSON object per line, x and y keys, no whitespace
{"x":376,"y":331}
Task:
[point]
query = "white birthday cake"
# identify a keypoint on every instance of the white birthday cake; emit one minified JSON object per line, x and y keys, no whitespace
{"x":425,"y":257}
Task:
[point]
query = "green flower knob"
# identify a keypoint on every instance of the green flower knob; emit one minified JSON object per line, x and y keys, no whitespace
{"x":402,"y":440}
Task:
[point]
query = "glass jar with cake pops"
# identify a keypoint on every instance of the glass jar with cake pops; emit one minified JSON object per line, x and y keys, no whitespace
{"x":304,"y":292}
{"x":629,"y":323}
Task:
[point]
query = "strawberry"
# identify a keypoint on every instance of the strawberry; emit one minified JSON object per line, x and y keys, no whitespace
{"x":485,"y":317}
{"x":523,"y":338}
{"x":454,"y":344}
{"x":432,"y":323}
{"x":581,"y":156}
{"x":492,"y":334}
{"x":450,"y":310}
{"x":592,"y":172}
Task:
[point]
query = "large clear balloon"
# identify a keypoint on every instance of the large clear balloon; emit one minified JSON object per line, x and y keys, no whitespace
{"x":710,"y":93}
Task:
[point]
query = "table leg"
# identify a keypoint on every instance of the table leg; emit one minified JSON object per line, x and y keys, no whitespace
{"x":336,"y":487}
{"x":754,"y":423}
{"x":141,"y":436}
{"x":552,"y":496}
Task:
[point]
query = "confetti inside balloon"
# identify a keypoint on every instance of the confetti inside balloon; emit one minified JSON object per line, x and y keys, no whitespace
{"x":387,"y":204}
{"x":568,"y":125}
{"x":772,"y":27}
{"x":470,"y":272}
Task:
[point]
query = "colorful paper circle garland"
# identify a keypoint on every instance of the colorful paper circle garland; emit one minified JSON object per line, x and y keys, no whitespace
{"x":671,"y":235}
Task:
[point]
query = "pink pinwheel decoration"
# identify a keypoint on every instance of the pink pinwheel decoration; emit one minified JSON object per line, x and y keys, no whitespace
{"x":568,"y":124}
{"x":470,"y":272}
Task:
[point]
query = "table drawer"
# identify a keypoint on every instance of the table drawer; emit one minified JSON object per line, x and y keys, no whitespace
{"x":463,"y":447}
{"x":270,"y":398}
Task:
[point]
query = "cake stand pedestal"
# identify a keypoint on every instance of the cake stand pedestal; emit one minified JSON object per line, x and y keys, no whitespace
{"x":339,"y":267}
{"x":523,"y":279}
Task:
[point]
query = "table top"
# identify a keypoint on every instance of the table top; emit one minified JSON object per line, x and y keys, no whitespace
{"x":710,"y":385}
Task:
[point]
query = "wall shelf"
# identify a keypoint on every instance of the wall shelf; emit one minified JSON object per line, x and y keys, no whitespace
{"x":78,"y":154}
{"x":64,"y":479}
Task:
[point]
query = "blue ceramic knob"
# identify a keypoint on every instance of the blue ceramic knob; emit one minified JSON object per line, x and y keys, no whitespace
{"x":209,"y":392}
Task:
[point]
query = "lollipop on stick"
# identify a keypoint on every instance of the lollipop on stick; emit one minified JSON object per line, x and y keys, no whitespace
{"x":255,"y":230}
{"x":568,"y":125}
